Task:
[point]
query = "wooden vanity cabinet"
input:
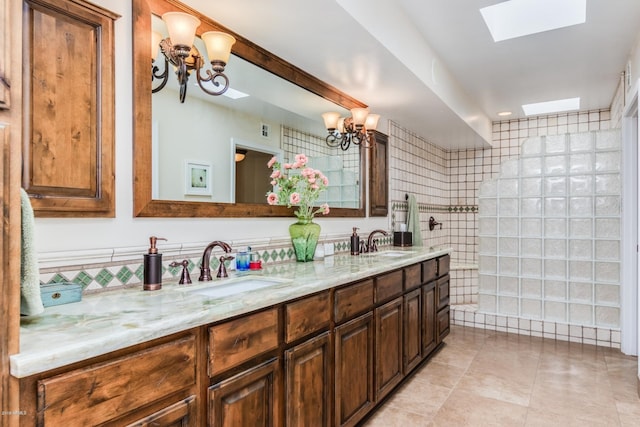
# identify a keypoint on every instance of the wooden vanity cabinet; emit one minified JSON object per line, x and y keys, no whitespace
{"x":325,"y":359}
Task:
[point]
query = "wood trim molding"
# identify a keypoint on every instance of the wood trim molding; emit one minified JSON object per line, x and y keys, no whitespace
{"x":10,"y":165}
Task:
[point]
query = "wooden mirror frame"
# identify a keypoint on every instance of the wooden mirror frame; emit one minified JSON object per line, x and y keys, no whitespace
{"x":144,"y":205}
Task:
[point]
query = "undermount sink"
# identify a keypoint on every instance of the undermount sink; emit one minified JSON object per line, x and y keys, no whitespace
{"x":233,"y":286}
{"x":389,"y":254}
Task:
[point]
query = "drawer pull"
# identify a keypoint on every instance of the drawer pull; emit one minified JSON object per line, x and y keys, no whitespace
{"x":56,"y":295}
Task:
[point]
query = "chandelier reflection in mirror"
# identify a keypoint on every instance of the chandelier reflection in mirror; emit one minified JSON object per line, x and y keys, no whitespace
{"x":178,"y":49}
{"x":357,"y":129}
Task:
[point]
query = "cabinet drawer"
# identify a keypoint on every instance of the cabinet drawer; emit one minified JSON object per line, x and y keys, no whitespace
{"x":104,"y":391}
{"x":443,"y":291}
{"x":412,"y":277}
{"x":237,"y":341}
{"x":429,"y":270}
{"x":306,"y":316}
{"x":388,"y":286}
{"x":353,"y":299}
{"x":443,"y":323}
{"x":443,"y":265}
{"x":179,"y":414}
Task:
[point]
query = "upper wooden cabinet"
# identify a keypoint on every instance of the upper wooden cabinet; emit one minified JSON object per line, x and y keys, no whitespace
{"x":68,"y":154}
{"x":5,"y":55}
{"x":378,"y":176}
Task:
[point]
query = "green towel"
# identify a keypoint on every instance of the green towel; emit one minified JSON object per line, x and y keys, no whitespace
{"x":413,"y":221}
{"x":30,"y":298}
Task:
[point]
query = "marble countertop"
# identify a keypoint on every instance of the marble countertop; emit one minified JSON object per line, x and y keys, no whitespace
{"x":113,"y":320}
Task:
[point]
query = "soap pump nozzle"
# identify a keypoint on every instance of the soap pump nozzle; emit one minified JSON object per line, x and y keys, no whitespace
{"x":152,"y":244}
{"x":152,"y":279}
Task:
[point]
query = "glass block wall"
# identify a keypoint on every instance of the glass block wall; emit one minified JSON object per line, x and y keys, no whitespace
{"x":549,"y":227}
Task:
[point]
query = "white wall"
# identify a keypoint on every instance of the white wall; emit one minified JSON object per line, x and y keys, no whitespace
{"x":200,"y":131}
{"x":84,"y":234}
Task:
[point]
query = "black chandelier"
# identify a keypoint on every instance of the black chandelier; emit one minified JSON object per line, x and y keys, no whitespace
{"x":357,"y":129}
{"x":178,"y":49}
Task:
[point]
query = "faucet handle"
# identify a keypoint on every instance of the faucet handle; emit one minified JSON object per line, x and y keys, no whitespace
{"x":222,"y":269}
{"x":185,"y":278}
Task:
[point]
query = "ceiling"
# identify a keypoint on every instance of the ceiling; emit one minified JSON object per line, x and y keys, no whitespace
{"x":431,"y":65}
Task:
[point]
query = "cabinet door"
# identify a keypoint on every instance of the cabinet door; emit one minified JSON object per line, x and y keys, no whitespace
{"x":68,"y":162}
{"x":354,"y":370}
{"x":308,"y":383}
{"x":443,"y":323}
{"x":412,"y":330}
{"x":5,"y":55}
{"x":250,"y":398}
{"x":378,"y":175}
{"x":388,"y":344}
{"x":180,"y":414}
{"x":429,"y":309}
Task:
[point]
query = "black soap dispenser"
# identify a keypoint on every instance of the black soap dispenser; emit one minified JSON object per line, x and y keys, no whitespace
{"x":355,"y":242}
{"x":153,"y":266}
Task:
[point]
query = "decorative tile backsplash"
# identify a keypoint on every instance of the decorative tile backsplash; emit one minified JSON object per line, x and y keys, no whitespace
{"x":97,"y":277}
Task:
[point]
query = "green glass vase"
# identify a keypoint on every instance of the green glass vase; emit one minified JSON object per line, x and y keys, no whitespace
{"x":304,"y":236}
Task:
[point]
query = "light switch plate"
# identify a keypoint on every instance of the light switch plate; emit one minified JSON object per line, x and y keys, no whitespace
{"x":328,"y":249}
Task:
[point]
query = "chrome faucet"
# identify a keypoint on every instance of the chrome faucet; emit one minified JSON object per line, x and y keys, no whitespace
{"x":205,"y":271}
{"x":372,"y":244}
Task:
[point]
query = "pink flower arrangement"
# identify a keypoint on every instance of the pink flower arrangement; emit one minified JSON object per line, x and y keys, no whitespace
{"x":295,"y":184}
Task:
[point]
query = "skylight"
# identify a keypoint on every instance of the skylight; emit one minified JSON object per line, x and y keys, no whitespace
{"x":556,"y":106}
{"x":234,"y":94}
{"x":517,"y":18}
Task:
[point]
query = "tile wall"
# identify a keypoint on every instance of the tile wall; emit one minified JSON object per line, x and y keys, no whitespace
{"x":446,"y":183}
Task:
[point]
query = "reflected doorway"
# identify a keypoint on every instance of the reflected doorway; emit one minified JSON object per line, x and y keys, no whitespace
{"x":252,"y":176}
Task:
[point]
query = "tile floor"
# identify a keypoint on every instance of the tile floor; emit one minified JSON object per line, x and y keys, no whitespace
{"x":489,"y":378}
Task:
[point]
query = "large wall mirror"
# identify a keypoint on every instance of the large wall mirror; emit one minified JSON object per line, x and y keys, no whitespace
{"x":226,"y":141}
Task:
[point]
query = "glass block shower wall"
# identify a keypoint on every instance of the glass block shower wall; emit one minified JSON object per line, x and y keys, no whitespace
{"x":549,"y":227}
